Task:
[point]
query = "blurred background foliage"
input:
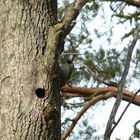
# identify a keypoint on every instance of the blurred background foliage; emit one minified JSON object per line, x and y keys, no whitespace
{"x":99,"y":44}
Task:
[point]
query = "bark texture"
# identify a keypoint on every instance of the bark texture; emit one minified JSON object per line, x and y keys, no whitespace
{"x":29,"y":93}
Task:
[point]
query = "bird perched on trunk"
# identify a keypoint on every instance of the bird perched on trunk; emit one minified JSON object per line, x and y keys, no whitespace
{"x":65,"y":72}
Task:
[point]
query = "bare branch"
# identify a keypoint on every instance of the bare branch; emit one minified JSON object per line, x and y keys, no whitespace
{"x":79,"y":4}
{"x":88,"y":104}
{"x":132,"y":2}
{"x":135,"y":3}
{"x":93,"y":74}
{"x":79,"y":114}
{"x":63,"y":28}
{"x":126,"y":109}
{"x":69,"y":92}
{"x":111,"y":120}
{"x":71,"y":14}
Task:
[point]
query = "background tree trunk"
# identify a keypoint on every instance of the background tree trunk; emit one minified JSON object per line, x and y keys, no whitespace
{"x":29,"y":87}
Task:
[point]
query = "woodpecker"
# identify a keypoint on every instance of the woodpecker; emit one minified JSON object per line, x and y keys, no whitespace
{"x":65,"y":72}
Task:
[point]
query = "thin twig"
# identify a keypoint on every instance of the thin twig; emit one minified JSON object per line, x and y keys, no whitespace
{"x":90,"y":71}
{"x":131,"y":100}
{"x":87,"y":105}
{"x":111,"y":120}
{"x":93,"y":74}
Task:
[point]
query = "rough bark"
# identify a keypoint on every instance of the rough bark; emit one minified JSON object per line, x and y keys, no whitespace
{"x":31,"y":42}
{"x":29,"y":91}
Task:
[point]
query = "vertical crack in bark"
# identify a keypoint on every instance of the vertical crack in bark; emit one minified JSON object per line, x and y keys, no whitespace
{"x":28,"y":125}
{"x":38,"y":18}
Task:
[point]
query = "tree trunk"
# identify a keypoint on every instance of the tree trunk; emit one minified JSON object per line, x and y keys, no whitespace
{"x":29,"y":86}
